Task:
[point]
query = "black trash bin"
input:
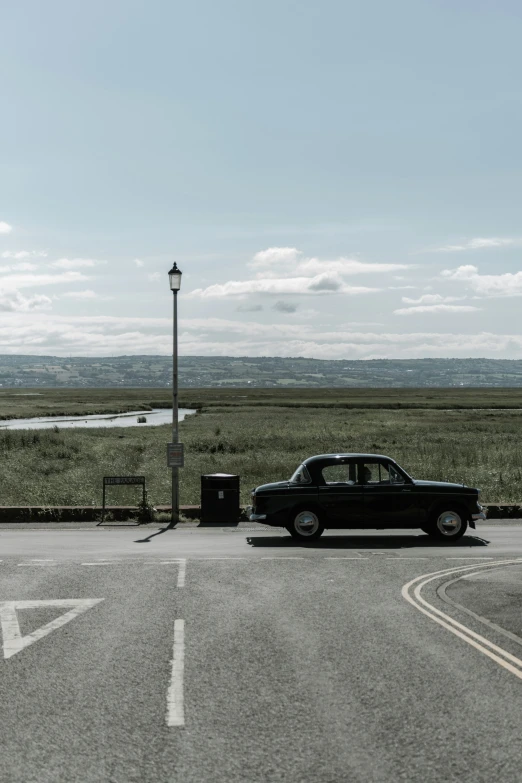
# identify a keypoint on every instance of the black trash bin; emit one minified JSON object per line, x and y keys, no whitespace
{"x":219,"y":497}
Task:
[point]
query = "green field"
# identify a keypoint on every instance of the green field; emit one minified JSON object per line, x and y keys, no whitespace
{"x":263,"y":435}
{"x":23,"y":403}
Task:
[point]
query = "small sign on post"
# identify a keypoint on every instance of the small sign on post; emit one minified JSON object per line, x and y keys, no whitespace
{"x":175,"y":455}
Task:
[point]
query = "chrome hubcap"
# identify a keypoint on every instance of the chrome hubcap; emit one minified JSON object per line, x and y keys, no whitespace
{"x":306,"y":523}
{"x":449,"y":523}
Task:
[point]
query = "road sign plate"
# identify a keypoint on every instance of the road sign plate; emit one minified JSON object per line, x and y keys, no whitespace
{"x":175,"y":455}
{"x":113,"y":480}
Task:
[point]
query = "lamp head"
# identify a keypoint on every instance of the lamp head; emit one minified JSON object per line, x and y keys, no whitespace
{"x":175,"y":278}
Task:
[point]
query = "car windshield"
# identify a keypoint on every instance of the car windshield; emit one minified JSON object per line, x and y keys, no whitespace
{"x":301,"y":476}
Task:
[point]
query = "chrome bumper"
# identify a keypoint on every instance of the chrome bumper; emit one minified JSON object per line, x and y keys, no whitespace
{"x":480,"y":515}
{"x":257,"y":517}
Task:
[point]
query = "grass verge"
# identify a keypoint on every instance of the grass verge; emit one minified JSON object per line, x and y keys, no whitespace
{"x":261,"y":443}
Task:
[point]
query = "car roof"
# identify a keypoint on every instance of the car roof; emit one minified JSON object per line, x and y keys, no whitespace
{"x":342,"y":455}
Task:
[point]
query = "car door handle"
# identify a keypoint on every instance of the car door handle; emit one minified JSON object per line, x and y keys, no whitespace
{"x":405,"y":490}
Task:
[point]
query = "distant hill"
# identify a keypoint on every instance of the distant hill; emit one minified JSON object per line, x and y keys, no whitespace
{"x":266,"y":372}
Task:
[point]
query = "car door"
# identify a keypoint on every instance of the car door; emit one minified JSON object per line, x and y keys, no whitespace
{"x":389,"y":500}
{"x":340,"y":495}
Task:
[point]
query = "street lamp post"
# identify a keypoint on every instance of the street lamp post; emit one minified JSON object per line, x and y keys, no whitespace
{"x":175,"y":285}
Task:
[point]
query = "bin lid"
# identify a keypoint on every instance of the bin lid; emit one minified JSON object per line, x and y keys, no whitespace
{"x":219,"y":475}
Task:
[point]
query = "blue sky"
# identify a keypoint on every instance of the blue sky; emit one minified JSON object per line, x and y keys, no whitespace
{"x":336,"y":179}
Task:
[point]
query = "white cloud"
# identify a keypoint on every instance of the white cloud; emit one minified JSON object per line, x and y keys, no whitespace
{"x":139,"y":262}
{"x":346,"y":267}
{"x":290,"y":262}
{"x":320,"y":284}
{"x":478,"y":243}
{"x":507,"y":284}
{"x":111,"y":335}
{"x":5,"y":228}
{"x":75,"y":263}
{"x":24,"y":266}
{"x":430,"y":299}
{"x":154,"y":276}
{"x":285,"y":271}
{"x":14,"y":301}
{"x":276,"y":255}
{"x":436,"y":308}
{"x":15,"y":281}
{"x":18,"y":255}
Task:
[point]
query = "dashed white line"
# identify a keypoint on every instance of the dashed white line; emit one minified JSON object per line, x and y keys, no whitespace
{"x":175,"y":706}
{"x":37,"y":565}
{"x":181,"y":573}
{"x":346,"y":558}
{"x":282,"y":558}
{"x":97,"y":563}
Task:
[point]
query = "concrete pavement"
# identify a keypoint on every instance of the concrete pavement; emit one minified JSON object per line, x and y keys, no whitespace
{"x":294,"y":663}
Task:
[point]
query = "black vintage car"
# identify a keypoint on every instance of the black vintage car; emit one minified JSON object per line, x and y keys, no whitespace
{"x":364,"y":491}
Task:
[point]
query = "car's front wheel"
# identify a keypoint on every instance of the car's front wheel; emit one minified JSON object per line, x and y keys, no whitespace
{"x":305,"y":524}
{"x":447,"y":525}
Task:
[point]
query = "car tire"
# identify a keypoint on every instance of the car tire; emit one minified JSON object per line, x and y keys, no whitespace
{"x":447,"y":524}
{"x":305,"y":524}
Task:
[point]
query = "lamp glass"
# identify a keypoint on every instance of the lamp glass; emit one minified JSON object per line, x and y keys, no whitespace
{"x":175,"y":278}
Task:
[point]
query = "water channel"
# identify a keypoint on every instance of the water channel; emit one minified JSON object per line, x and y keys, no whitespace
{"x":154,"y":417}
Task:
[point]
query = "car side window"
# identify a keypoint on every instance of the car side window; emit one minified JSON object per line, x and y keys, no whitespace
{"x":374,"y":473}
{"x":395,"y":476}
{"x":339,"y":474}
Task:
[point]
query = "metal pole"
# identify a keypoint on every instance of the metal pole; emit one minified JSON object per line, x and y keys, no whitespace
{"x":175,"y":473}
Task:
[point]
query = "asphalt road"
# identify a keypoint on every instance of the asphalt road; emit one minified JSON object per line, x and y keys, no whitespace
{"x":366,"y":657}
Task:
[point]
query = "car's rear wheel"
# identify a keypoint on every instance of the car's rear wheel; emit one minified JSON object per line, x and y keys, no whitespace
{"x":305,"y":524}
{"x":447,"y":525}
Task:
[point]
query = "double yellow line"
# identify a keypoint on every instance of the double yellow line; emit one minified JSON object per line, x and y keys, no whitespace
{"x":412,"y":593}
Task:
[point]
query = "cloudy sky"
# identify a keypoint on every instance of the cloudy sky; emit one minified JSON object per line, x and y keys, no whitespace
{"x":336,"y":179}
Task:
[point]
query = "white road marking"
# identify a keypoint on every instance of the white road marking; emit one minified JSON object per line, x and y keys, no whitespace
{"x":14,"y":642}
{"x":219,"y":558}
{"x":37,"y":565}
{"x":42,"y":559}
{"x":282,"y":558}
{"x":175,"y":706}
{"x":95,"y":564}
{"x":507,"y":661}
{"x":346,"y":558}
{"x":441,"y":591}
{"x":470,"y":557}
{"x":181,"y":573}
{"x":162,"y":562}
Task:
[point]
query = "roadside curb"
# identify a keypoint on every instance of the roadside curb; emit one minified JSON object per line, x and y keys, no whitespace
{"x":45,"y":514}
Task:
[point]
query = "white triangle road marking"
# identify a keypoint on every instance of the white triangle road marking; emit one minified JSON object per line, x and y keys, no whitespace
{"x":14,"y":642}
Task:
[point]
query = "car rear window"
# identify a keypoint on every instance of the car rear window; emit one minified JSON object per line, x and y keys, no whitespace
{"x":301,"y":476}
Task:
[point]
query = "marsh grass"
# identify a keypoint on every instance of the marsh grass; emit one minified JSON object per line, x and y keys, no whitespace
{"x":23,"y":403}
{"x":261,"y":444}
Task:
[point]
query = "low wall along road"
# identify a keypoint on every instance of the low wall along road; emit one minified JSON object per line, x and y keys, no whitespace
{"x":47,"y":514}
